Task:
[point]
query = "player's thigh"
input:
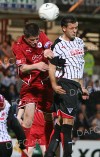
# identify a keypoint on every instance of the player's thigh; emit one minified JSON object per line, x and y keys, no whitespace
{"x":28,"y":115}
{"x":29,"y":110}
{"x":69,"y":121}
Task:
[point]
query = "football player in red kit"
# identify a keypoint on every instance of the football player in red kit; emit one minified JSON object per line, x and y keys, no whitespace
{"x":31,"y":51}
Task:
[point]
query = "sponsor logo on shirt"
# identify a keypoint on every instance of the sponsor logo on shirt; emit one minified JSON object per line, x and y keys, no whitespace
{"x":70,"y":110}
{"x":76,"y":52}
{"x":28,"y":50}
{"x":63,"y":47}
{"x":36,"y":57}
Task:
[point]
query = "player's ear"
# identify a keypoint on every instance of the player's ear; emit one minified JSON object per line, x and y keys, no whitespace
{"x":64,"y":29}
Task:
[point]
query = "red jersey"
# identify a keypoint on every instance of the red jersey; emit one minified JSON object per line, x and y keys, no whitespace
{"x":25,"y":54}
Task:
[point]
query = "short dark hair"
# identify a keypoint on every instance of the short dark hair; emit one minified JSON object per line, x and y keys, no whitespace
{"x":68,"y":19}
{"x":31,"y":29}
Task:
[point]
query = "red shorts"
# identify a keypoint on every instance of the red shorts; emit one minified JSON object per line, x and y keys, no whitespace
{"x":40,"y":94}
{"x":64,"y":115}
{"x":40,"y":131}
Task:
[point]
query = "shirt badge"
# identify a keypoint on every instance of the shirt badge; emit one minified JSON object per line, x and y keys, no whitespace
{"x":39,"y":45}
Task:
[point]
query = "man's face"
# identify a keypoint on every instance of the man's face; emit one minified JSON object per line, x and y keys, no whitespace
{"x":32,"y":41}
{"x":70,"y":31}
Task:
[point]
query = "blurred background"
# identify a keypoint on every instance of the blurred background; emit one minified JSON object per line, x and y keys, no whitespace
{"x":14,"y":14}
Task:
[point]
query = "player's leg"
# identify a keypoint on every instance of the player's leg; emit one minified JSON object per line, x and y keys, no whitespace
{"x":68,"y":106}
{"x":30,"y":151}
{"x":27,"y":121}
{"x":28,"y":115}
{"x":37,"y":137}
{"x":66,"y":131}
{"x":43,"y":149}
{"x":54,"y":141}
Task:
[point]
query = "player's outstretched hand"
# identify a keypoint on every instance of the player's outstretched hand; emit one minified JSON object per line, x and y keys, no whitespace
{"x":48,"y":54}
{"x":58,"y":89}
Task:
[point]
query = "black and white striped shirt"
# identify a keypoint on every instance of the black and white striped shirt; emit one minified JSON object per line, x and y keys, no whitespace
{"x":8,"y":119}
{"x":73,"y":53}
{"x":4,"y":136}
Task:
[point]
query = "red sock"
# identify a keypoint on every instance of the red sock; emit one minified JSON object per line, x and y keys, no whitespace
{"x":62,"y":139}
{"x":51,"y":135}
{"x":27,"y":133}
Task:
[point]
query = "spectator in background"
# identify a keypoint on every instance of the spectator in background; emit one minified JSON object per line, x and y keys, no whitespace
{"x":96,"y":85}
{"x":5,"y":63}
{"x":97,"y":106}
{"x":96,"y":121}
{"x":1,"y":72}
{"x":13,"y":94}
{"x":83,"y":109}
{"x":8,"y":78}
{"x":89,"y":63}
{"x":95,"y":127}
{"x":81,"y":121}
{"x":6,"y":49}
{"x":9,"y":39}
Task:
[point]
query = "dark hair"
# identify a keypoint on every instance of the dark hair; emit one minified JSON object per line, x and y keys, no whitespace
{"x":31,"y":29}
{"x":68,"y":19}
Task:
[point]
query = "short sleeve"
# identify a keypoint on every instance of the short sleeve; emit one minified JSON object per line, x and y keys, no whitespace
{"x":45,"y":40}
{"x":20,"y":58}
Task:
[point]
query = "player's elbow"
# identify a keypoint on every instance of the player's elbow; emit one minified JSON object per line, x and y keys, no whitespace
{"x":23,"y":68}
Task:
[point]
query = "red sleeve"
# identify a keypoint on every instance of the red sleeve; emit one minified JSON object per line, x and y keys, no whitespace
{"x":20,"y":58}
{"x":45,"y":40}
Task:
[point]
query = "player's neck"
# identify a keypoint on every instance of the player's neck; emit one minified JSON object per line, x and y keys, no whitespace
{"x":65,"y":37}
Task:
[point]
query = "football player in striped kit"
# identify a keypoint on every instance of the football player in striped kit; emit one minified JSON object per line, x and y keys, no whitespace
{"x":66,"y":72}
{"x":8,"y":119}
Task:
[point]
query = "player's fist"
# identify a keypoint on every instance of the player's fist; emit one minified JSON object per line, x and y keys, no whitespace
{"x":48,"y":54}
{"x":42,"y":66}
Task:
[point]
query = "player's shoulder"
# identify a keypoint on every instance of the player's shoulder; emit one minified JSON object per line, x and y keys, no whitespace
{"x":78,"y":39}
{"x":56,"y":42}
{"x":42,"y":34}
{"x":18,"y":42}
{"x":7,"y":105}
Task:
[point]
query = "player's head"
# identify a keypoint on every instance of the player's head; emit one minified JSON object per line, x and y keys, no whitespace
{"x":69,"y":26}
{"x":31,"y":32}
{"x":2,"y":102}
